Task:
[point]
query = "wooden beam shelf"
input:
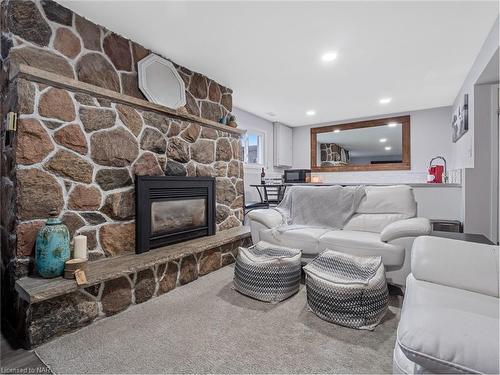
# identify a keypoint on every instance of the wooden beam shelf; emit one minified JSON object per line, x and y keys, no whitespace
{"x":41,"y":76}
{"x":35,"y":289}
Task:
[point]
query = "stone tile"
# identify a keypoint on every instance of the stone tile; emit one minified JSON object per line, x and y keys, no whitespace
{"x":73,"y":221}
{"x":109,"y":179}
{"x":167,"y":278}
{"x":147,"y":165}
{"x":41,"y":59}
{"x":120,"y":205}
{"x":93,"y":218}
{"x":130,"y":118}
{"x":203,"y":151}
{"x":72,"y":137}
{"x":144,"y":286}
{"x":227,"y":259}
{"x":33,"y":142}
{"x":60,"y":315}
{"x":70,"y":165}
{"x":152,"y":140}
{"x":114,"y":148}
{"x":57,"y":13}
{"x":97,"y":118}
{"x":34,"y":185}
{"x":117,"y":239}
{"x":118,"y":50}
{"x":25,"y":20}
{"x":89,"y":32}
{"x":116,"y":296}
{"x":67,"y":43}
{"x":25,"y":97}
{"x":26,"y":237}
{"x":57,"y":103}
{"x":84,"y":198}
{"x":188,"y":270}
{"x":93,"y":68}
{"x":210,"y":261}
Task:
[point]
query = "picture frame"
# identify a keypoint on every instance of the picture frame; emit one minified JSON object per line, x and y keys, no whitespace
{"x":460,"y":120}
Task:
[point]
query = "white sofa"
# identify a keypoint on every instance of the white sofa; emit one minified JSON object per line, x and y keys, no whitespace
{"x":385,"y":224}
{"x":449,"y":321}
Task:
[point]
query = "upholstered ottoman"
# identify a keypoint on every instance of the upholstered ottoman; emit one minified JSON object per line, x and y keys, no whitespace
{"x":347,"y":290}
{"x":267,"y":272}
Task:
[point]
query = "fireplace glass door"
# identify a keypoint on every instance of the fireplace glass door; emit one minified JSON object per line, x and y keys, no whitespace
{"x":173,"y":209}
{"x":178,"y":215}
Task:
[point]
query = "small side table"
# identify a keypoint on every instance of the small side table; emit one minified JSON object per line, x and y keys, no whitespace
{"x":468,"y":237}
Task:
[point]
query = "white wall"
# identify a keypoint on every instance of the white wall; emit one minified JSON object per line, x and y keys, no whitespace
{"x":473,"y":151}
{"x":463,"y":149}
{"x":430,"y":136}
{"x":247,"y":120}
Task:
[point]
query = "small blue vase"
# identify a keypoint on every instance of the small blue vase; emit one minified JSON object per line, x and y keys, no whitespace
{"x":52,"y":247}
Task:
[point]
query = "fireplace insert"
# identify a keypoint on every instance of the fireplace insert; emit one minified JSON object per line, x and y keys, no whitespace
{"x":173,"y":209}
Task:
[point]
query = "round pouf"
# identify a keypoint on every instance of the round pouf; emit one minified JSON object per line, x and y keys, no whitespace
{"x":267,"y":272}
{"x":347,"y":290}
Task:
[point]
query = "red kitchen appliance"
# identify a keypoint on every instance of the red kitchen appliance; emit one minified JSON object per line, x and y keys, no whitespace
{"x":437,"y":173}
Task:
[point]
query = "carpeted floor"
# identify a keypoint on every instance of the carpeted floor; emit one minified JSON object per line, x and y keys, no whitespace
{"x":207,"y":327}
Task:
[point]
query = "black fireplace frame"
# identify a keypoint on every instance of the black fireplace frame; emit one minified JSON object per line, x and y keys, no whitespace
{"x":161,"y":188}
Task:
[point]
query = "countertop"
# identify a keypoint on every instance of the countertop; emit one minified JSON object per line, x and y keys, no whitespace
{"x":414,"y":184}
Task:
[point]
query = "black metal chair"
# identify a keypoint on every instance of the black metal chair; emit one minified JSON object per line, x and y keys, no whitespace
{"x":269,"y":195}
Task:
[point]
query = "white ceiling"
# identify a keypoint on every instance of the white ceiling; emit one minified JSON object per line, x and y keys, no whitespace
{"x":269,"y":53}
{"x":366,"y":141}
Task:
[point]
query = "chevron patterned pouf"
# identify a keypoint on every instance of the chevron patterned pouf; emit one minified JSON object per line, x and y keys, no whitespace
{"x":347,"y":290}
{"x":267,"y":272}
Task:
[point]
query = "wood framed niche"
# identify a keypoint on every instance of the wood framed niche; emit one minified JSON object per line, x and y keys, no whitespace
{"x":375,"y":146}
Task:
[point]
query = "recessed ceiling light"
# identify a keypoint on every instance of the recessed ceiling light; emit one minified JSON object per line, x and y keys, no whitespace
{"x":329,"y":56}
{"x":382,"y":140}
{"x":388,"y":148}
{"x":311,"y":112}
{"x":392,"y":124}
{"x":385,"y":100}
{"x":272,"y":114}
{"x":336,"y":131}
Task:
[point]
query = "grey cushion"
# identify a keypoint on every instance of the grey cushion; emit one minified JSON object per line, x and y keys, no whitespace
{"x":267,"y":272}
{"x":346,"y":289}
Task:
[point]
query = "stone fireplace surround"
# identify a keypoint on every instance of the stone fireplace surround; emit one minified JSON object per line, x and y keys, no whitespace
{"x":83,"y":132}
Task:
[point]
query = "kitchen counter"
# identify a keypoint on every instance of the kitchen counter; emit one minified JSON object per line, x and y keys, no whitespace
{"x":414,"y":184}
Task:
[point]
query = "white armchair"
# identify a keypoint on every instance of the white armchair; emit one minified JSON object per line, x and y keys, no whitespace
{"x":450,"y":317}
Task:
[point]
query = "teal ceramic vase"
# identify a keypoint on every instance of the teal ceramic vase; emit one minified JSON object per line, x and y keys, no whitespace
{"x":52,"y":247}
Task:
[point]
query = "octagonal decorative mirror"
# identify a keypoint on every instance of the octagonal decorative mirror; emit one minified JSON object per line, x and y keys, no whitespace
{"x":160,"y":82}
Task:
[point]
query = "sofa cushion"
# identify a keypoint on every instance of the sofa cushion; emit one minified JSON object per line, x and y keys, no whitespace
{"x":445,"y":329}
{"x":372,"y":222}
{"x":363,"y":244}
{"x":303,"y":238}
{"x":397,"y":199}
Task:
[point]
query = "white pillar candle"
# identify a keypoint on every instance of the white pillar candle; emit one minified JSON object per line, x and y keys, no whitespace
{"x":80,"y":247}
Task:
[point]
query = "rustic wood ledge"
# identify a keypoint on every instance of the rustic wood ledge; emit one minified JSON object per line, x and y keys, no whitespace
{"x":36,"y":289}
{"x":41,"y":76}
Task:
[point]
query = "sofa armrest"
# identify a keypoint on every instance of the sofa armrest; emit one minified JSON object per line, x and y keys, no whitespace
{"x":417,"y":226}
{"x":458,"y":264}
{"x":269,"y":217}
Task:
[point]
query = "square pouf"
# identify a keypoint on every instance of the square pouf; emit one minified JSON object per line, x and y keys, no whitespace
{"x":267,"y":272}
{"x":347,"y":290}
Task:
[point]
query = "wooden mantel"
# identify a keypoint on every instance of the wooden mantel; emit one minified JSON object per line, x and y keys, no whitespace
{"x":41,"y":76}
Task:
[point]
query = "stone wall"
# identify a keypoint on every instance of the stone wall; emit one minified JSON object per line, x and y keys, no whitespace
{"x":48,"y":36}
{"x":53,"y":317}
{"x":79,"y":155}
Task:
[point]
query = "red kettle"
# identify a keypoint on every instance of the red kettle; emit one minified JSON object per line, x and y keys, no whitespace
{"x":437,"y":173}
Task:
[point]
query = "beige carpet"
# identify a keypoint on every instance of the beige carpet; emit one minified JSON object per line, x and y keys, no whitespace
{"x":207,"y":327}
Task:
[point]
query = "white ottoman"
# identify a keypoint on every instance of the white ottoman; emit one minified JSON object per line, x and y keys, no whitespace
{"x":347,"y":290}
{"x":267,"y":272}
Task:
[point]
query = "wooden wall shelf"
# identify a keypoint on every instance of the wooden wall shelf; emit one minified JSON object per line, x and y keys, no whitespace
{"x":41,"y":76}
